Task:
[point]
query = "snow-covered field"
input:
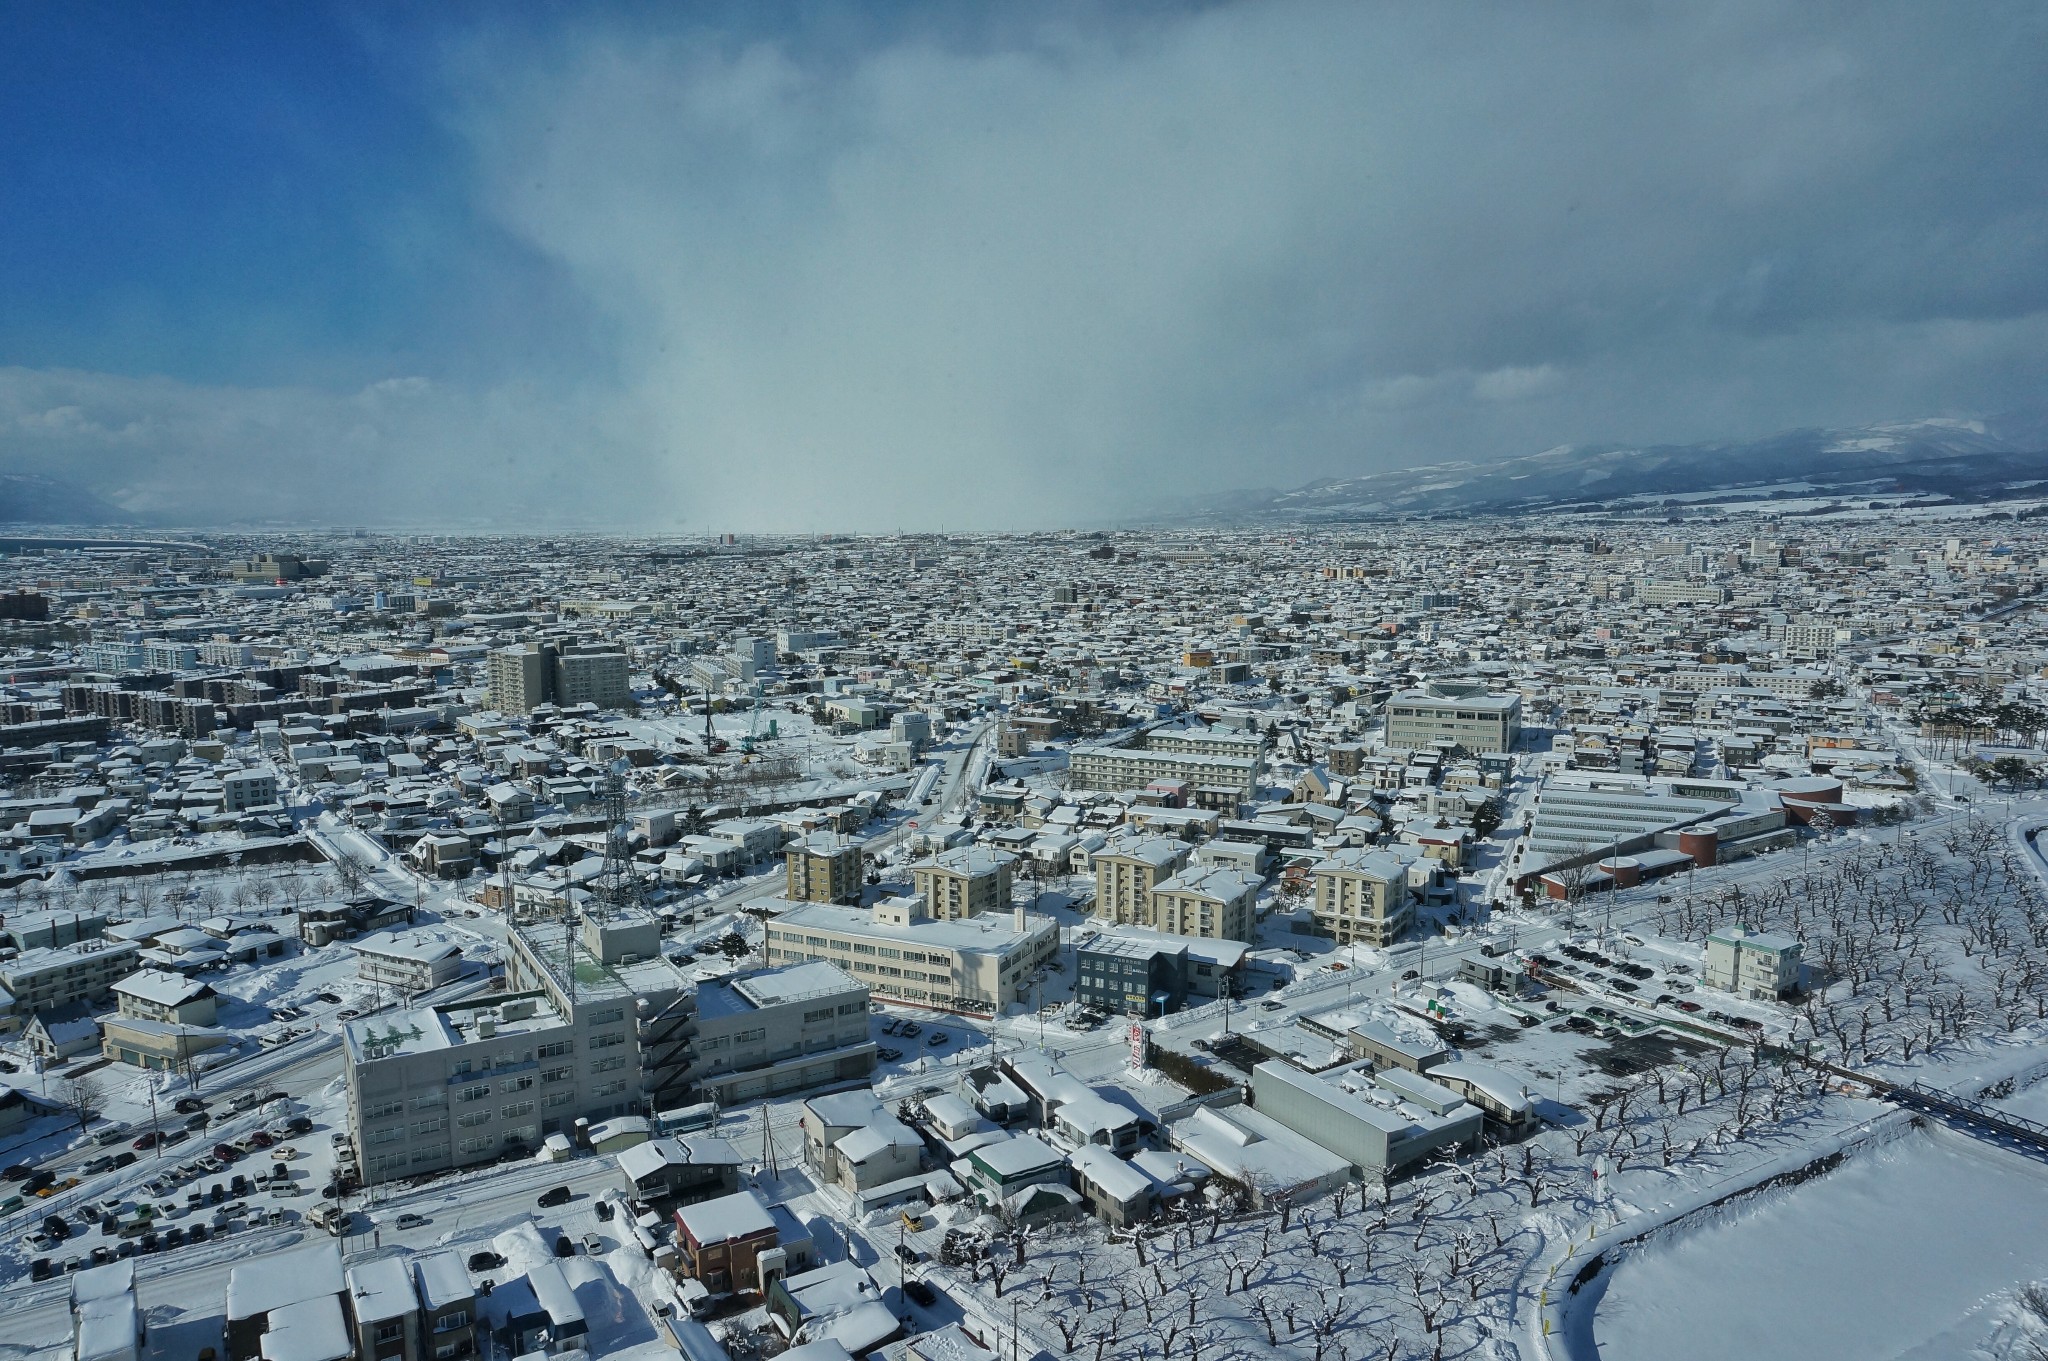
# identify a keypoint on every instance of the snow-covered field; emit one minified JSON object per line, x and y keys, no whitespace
{"x":1905,"y":1251}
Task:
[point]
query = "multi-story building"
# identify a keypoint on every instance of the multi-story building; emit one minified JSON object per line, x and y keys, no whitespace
{"x":1139,"y":762}
{"x":822,"y":868}
{"x":976,"y":965}
{"x":408,"y":962}
{"x":53,"y":975}
{"x":964,"y":882}
{"x":606,"y":1033}
{"x":595,"y":675}
{"x":780,"y":1031}
{"x":1216,"y":902}
{"x":247,"y":788}
{"x":1760,"y":965}
{"x":1362,"y":896}
{"x":160,"y":995}
{"x":1466,"y":715}
{"x":1131,"y":975}
{"x":1126,"y":872}
{"x":521,"y":677}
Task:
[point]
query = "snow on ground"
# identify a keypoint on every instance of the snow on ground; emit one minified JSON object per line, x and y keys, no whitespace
{"x":1895,"y":1254}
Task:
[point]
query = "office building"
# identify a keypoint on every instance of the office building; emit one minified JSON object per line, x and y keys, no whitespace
{"x":1466,"y":715}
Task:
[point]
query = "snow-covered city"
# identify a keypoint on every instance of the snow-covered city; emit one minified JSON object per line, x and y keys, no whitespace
{"x":1097,"y":945}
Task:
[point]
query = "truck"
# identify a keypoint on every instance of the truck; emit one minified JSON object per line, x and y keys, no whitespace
{"x":332,"y":1218}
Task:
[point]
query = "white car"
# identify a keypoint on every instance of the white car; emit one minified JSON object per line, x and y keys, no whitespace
{"x":412,"y":1221}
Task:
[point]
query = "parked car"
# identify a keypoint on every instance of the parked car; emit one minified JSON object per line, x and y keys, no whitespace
{"x":592,"y":1244}
{"x":564,"y":1247}
{"x":921,"y":1293}
{"x":906,"y":1254}
{"x":485,"y":1261}
{"x":225,"y":1153}
{"x":888,"y":1055}
{"x":938,"y":1038}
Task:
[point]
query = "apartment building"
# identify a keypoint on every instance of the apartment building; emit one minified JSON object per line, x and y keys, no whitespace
{"x":1126,"y":872}
{"x":780,"y":1031}
{"x":822,"y":868}
{"x":1216,"y":903}
{"x":1760,"y":965}
{"x":1135,"y":765}
{"x":248,"y":788}
{"x":1361,"y":897}
{"x":974,"y":965}
{"x":1469,"y":716}
{"x":52,"y":975}
{"x":527,"y":675}
{"x":408,"y":962}
{"x":964,"y":882}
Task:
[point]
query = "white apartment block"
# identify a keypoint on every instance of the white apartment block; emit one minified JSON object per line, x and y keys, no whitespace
{"x":408,"y":962}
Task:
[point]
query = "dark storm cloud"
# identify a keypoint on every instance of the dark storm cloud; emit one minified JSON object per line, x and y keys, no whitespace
{"x":1061,"y":272}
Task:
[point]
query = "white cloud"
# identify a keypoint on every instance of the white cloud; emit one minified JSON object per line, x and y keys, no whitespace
{"x":1038,"y":274}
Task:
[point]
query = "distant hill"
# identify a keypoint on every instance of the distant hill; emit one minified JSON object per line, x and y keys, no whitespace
{"x":1962,"y":460}
{"x":32,"y":499}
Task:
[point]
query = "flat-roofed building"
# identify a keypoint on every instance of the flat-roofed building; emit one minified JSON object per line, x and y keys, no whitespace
{"x":1362,"y":897}
{"x":964,"y":881}
{"x":974,"y":965}
{"x":1759,"y":965}
{"x":1127,"y":871}
{"x":53,"y":975}
{"x":780,"y":1031}
{"x":1379,"y":1122}
{"x":1468,"y":715}
{"x":823,"y":868}
{"x":1216,"y":903}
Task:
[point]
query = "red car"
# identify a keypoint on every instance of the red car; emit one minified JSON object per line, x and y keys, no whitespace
{"x":227,"y":1153}
{"x":262,"y":1139}
{"x":146,"y":1141}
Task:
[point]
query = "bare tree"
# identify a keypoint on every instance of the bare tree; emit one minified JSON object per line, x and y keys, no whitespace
{"x":82,"y":1097}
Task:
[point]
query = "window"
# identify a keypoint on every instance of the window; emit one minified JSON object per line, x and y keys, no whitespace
{"x":433,"y":1098}
{"x":458,"y":1319}
{"x":824,"y":1015}
{"x":562,"y":1074}
{"x":556,"y":1050}
{"x":519,"y":1084}
{"x":610,"y":1041}
{"x":516,"y":1109}
{"x":473,"y":1119}
{"x":429,"y":1126}
{"x":383,"y":1110}
{"x":474,"y":1093}
{"x":609,"y":1016}
{"x":754,"y":1036}
{"x":610,"y":1065}
{"x":475,"y":1145}
{"x":390,"y":1331}
{"x":608,"y":1089}
{"x":388,"y":1134}
{"x":559,"y":1099}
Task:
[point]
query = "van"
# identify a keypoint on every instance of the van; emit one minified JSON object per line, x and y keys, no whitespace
{"x":559,"y":1195}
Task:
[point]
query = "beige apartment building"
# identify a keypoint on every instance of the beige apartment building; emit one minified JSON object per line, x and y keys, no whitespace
{"x":1215,"y":903}
{"x":964,"y":882}
{"x":1362,"y":897}
{"x":1127,"y":872}
{"x":823,"y":869}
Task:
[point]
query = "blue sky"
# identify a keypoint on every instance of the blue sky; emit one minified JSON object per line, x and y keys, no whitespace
{"x":251,"y":194}
{"x":843,"y":266}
